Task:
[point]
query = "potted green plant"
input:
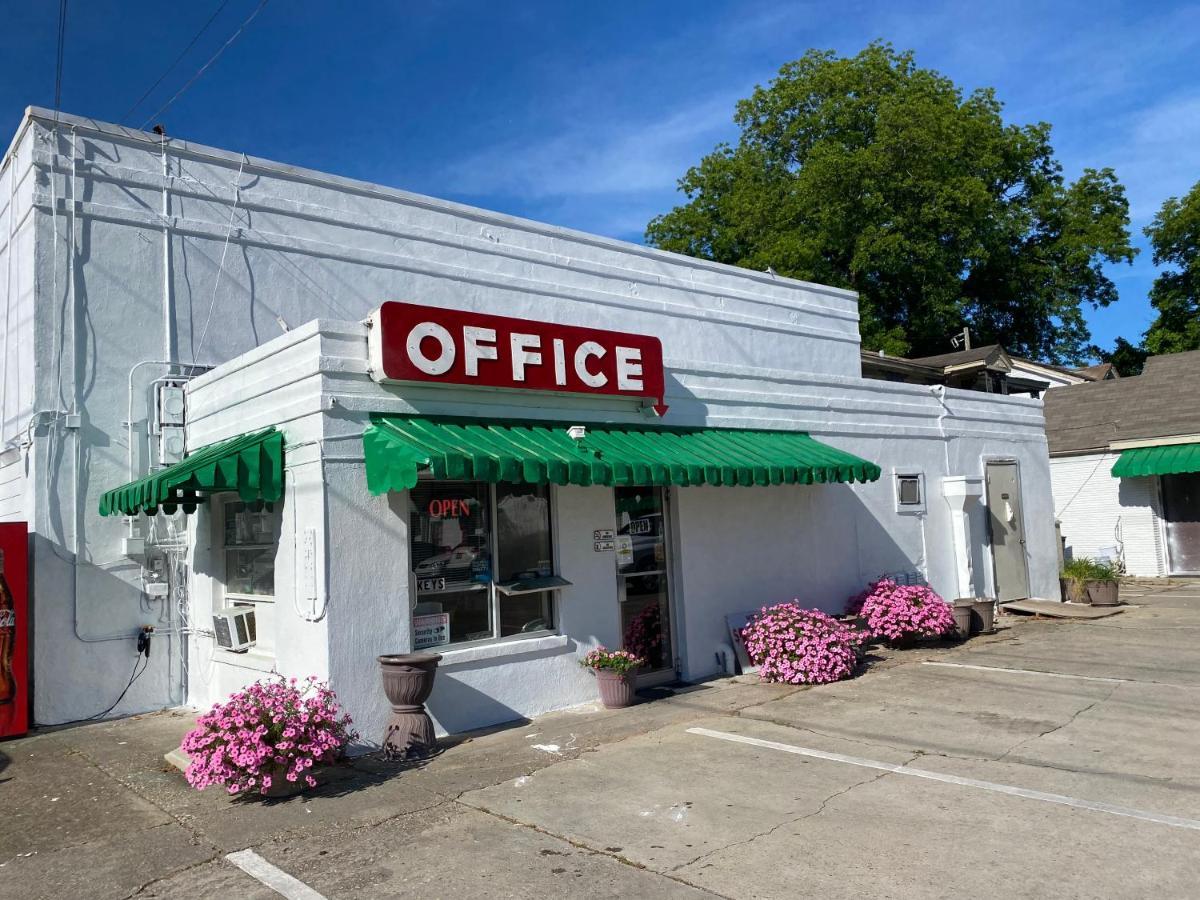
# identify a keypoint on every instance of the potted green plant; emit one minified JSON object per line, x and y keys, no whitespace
{"x":614,"y":671}
{"x":1087,"y":580}
{"x":1074,"y":579}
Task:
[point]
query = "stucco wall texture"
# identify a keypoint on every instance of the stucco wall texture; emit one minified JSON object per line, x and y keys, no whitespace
{"x":136,"y":248}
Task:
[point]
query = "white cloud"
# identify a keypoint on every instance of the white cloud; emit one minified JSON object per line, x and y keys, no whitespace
{"x":599,"y":156}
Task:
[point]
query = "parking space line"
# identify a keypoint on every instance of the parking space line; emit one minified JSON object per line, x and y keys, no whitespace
{"x":950,"y":665}
{"x":272,"y":876}
{"x":899,"y":769}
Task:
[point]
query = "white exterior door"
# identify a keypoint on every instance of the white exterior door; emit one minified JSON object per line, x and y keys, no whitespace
{"x":1007,"y":526}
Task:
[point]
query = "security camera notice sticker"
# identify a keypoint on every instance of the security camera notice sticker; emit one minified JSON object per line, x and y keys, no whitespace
{"x":431,"y":631}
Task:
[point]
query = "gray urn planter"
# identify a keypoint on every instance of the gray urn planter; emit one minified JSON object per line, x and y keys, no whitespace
{"x":408,"y":682}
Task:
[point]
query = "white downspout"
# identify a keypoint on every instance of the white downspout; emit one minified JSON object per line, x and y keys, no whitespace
{"x":169,"y":350}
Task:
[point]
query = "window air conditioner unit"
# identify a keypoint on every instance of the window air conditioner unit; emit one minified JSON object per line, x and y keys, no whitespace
{"x":234,"y":628}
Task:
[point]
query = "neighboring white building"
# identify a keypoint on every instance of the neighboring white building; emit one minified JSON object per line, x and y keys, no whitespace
{"x":161,"y":294}
{"x":1125,"y":462}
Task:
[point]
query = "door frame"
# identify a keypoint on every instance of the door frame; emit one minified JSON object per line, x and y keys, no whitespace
{"x":1164,"y":533}
{"x":672,"y":671}
{"x":1016,"y":463}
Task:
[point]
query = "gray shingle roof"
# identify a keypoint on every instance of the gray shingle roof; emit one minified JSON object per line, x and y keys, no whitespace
{"x":1163,"y":401}
{"x":959,"y":357}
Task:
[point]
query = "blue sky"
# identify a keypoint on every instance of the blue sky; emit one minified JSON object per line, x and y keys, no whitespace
{"x":585,"y":114}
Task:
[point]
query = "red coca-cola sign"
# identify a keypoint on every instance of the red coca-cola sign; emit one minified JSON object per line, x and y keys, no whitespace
{"x":14,"y":630}
{"x":409,"y":342}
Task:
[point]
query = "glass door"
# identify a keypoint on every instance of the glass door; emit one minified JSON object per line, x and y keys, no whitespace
{"x":643,"y":581}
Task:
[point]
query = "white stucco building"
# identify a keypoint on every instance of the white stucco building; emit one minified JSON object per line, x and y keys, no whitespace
{"x":162,"y":296}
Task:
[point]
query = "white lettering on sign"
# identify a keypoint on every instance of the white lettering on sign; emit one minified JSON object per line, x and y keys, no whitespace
{"x":560,"y":363}
{"x":438,"y":365}
{"x":583,"y":353}
{"x":524,"y":353}
{"x":474,"y":349}
{"x":629,"y":369}
{"x":421,"y":344}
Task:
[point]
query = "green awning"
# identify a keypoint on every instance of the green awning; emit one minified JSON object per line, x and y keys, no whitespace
{"x":397,"y":448}
{"x":251,"y":465}
{"x":1173,"y":459}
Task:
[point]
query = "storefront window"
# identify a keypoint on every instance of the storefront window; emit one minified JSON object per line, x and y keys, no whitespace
{"x":453,"y":546}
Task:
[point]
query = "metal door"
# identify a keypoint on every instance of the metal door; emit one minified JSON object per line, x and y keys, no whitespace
{"x":643,"y":580}
{"x":1007,"y":527}
{"x":1181,"y":512}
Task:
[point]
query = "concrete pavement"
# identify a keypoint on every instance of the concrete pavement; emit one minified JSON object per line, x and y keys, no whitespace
{"x":732,"y":789}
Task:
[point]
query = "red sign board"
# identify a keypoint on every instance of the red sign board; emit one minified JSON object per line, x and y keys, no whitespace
{"x":14,"y":629}
{"x":450,"y":346}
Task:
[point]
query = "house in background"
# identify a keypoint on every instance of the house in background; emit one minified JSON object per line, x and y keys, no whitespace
{"x":990,"y":369}
{"x":1125,"y":467}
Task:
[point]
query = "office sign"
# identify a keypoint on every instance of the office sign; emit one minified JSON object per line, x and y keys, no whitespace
{"x":428,"y":344}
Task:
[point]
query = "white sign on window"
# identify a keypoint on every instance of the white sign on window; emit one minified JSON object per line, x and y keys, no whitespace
{"x":431,"y":631}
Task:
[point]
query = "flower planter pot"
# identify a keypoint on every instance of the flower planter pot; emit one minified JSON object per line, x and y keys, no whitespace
{"x":408,"y":682}
{"x":983,"y":616}
{"x":962,"y":619}
{"x":1103,"y":593}
{"x":281,"y":787}
{"x":616,"y":688}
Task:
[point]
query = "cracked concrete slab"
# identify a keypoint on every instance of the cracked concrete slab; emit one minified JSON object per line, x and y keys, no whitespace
{"x":637,"y":790}
{"x":894,"y":837}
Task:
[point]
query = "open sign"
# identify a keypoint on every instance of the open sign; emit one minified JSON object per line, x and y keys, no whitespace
{"x":449,"y":508}
{"x":429,"y":344}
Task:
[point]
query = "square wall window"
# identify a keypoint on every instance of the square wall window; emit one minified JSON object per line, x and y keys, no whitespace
{"x":910,"y":492}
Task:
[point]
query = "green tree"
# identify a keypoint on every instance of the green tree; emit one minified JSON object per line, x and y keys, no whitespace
{"x":1127,"y":359}
{"x":1175,"y":236}
{"x":873,"y":174}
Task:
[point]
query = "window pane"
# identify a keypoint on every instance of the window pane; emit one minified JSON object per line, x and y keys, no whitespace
{"x":250,"y":571}
{"x":450,"y":534}
{"x":523,"y":531}
{"x":910,"y":490}
{"x":640,"y":538}
{"x":450,"y":539}
{"x":244,"y":525}
{"x":525,"y":613}
{"x":466,"y":615}
{"x":643,"y":611}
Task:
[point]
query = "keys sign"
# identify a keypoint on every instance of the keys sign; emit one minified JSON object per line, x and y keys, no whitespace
{"x":449,"y":346}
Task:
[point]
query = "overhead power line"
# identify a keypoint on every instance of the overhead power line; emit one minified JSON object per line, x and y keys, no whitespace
{"x":204,"y":68}
{"x":178,"y":59}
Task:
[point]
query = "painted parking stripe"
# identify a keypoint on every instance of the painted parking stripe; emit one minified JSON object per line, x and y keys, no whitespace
{"x":949,"y":665}
{"x":272,"y":876}
{"x":1026,"y":793}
